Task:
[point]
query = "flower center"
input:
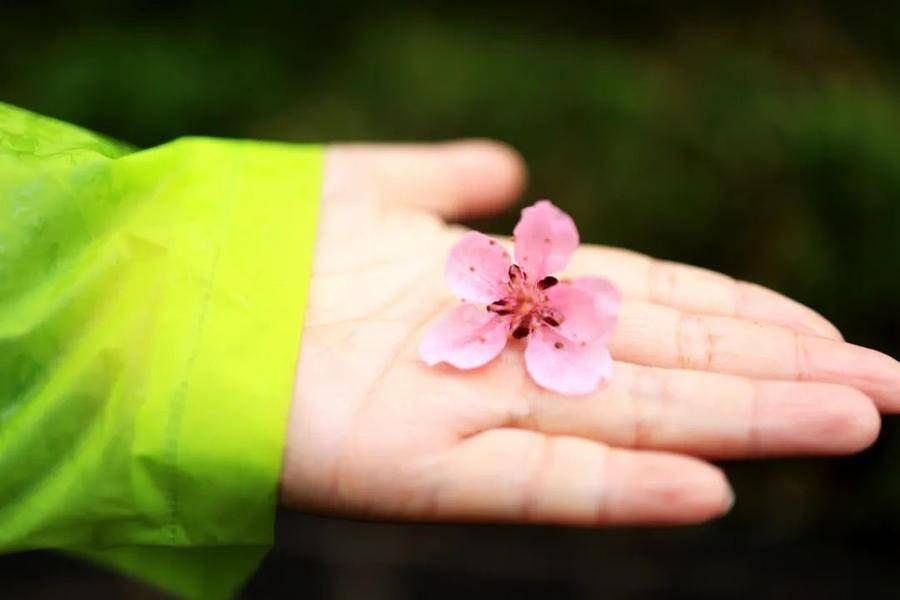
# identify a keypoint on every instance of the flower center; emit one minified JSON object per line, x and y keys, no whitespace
{"x":526,"y":303}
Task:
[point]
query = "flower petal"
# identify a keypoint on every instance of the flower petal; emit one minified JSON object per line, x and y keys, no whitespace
{"x":465,"y":337}
{"x":576,"y":311}
{"x":546,"y":238}
{"x":607,"y":300}
{"x":564,"y":366}
{"x":478,"y":269}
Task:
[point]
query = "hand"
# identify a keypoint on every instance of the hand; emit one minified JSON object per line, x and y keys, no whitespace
{"x":705,"y":367}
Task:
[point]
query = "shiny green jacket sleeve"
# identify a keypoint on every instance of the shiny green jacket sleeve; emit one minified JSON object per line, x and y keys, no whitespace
{"x":151,"y":305}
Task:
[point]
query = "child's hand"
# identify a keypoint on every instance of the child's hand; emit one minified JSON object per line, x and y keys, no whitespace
{"x":705,"y":366}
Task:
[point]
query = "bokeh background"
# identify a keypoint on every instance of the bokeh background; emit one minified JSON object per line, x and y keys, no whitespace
{"x":758,"y":139}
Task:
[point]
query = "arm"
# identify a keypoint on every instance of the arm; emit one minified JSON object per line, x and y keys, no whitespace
{"x":172,"y":467}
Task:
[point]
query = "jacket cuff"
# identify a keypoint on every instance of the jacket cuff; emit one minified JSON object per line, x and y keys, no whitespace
{"x":234,"y":224}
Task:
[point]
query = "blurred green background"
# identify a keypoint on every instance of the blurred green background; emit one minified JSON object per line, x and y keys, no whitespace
{"x":758,"y":139}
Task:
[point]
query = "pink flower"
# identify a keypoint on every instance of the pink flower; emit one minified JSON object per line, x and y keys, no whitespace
{"x":567,"y":323}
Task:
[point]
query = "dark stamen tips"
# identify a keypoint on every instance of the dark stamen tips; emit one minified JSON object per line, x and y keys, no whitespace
{"x":547,"y":282}
{"x":551,"y":321}
{"x":523,"y":329}
{"x":558,"y":345}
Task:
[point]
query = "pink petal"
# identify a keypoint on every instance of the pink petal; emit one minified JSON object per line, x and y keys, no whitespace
{"x":546,"y":238}
{"x":606,"y":300}
{"x":478,"y":269}
{"x":577,"y":312}
{"x":466,"y":337}
{"x":560,"y":365}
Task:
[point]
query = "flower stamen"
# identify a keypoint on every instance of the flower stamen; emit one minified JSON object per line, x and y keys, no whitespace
{"x":547,"y":282}
{"x":523,"y":329}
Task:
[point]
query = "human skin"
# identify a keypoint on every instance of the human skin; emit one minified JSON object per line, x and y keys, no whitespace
{"x":705,"y":367}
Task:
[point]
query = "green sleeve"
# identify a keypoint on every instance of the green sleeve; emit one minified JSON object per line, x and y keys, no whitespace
{"x":151,"y":304}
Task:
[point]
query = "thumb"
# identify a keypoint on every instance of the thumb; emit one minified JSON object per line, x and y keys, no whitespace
{"x":457,"y":179}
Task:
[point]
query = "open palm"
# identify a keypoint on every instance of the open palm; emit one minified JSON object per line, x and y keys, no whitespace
{"x":704,"y":367}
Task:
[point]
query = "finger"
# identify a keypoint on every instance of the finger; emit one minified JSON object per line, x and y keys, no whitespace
{"x":522,"y":476}
{"x":706,"y":414}
{"x":697,"y":290}
{"x":455,"y":179}
{"x":655,"y":335}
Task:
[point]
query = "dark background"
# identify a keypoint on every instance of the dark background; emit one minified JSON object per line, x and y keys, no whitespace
{"x":759,"y":139}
